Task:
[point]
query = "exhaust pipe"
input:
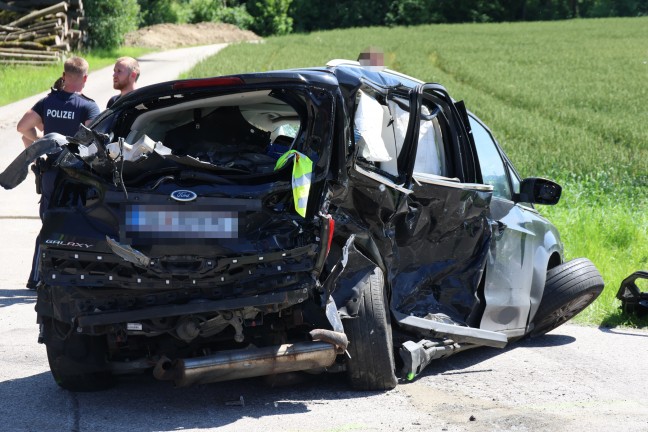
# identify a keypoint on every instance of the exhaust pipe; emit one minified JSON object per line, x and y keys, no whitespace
{"x":246,"y":363}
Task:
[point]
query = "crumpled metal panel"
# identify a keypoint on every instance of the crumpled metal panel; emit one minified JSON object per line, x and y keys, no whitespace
{"x":17,"y":171}
{"x":344,"y":281}
{"x":442,"y":245}
{"x":633,"y":300}
{"x":432,"y":243}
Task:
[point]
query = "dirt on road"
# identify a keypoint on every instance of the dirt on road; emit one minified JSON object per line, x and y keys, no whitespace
{"x":166,"y":36}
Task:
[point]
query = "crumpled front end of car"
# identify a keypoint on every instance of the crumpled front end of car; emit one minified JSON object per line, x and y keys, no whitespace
{"x":196,"y":227}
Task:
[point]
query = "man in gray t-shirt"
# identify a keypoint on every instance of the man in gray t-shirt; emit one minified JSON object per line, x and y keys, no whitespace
{"x":125,"y":75}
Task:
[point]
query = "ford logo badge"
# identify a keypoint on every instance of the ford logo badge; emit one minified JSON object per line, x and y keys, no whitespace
{"x":183,"y":195}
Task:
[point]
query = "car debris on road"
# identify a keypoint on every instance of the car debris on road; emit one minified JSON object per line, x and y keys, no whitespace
{"x":633,"y":298}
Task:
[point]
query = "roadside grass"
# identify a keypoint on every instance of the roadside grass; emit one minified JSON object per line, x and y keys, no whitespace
{"x":614,"y":235}
{"x":566,"y":100}
{"x":20,"y":81}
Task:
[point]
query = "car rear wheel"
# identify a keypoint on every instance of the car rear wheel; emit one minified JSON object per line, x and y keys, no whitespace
{"x":77,"y":362}
{"x":371,"y":366}
{"x":569,"y":289}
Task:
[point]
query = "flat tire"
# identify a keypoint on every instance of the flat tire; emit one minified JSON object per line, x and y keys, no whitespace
{"x":371,"y":347}
{"x":570,"y":288}
{"x":77,"y":362}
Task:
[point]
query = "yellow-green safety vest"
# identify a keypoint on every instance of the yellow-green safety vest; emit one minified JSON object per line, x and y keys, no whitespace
{"x":301,"y":178}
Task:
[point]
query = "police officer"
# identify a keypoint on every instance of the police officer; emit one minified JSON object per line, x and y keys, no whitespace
{"x":61,"y":111}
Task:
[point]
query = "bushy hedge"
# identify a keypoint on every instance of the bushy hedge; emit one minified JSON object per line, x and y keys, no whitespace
{"x":237,"y":15}
{"x":216,"y":11}
{"x":270,"y":17}
{"x":162,"y":11}
{"x":310,"y":15}
{"x":107,"y":28}
{"x":196,"y":11}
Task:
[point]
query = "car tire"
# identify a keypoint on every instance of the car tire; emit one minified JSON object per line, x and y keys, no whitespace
{"x":77,"y":362}
{"x":371,"y":348}
{"x":570,"y":288}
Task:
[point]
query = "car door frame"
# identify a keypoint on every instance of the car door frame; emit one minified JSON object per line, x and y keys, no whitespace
{"x":459,"y":230}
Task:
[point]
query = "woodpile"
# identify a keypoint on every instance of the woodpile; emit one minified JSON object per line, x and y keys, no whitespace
{"x":44,"y":32}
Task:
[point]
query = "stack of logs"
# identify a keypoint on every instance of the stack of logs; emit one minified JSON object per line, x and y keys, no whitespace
{"x":43,"y":36}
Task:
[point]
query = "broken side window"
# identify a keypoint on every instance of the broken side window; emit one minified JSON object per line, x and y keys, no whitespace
{"x":380,"y":125}
{"x":370,"y":123}
{"x":430,"y":154}
{"x":395,"y":131}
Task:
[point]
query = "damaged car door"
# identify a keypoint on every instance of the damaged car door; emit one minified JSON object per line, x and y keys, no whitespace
{"x":432,"y":224}
{"x":443,"y":238}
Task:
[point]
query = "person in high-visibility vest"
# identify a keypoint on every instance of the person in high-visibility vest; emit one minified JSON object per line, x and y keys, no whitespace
{"x":301,"y":178}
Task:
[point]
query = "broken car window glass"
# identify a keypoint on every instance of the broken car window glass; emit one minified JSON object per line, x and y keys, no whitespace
{"x":430,"y":155}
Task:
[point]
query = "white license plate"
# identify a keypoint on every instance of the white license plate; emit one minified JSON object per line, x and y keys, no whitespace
{"x":179,"y":222}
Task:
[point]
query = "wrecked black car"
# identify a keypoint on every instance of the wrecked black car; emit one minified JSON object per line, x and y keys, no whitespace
{"x":330,"y":219}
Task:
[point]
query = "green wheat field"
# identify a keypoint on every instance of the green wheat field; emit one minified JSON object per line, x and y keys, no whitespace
{"x":567,"y":100}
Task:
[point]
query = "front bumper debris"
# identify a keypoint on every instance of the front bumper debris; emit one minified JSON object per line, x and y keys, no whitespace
{"x":633,"y":300}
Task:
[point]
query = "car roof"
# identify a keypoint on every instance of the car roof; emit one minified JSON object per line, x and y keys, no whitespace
{"x":347,"y":74}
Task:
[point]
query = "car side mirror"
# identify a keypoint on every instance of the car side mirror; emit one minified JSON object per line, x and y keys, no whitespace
{"x":539,"y":191}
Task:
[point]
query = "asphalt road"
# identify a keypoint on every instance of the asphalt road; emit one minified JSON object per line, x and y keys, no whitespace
{"x":574,"y":379}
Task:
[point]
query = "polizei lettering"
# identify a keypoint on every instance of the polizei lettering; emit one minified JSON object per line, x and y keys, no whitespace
{"x":68,"y":243}
{"x":60,"y":114}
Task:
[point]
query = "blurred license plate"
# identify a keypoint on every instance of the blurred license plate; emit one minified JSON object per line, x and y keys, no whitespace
{"x":180,"y":222}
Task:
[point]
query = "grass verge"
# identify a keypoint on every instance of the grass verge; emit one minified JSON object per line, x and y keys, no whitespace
{"x":18,"y":82}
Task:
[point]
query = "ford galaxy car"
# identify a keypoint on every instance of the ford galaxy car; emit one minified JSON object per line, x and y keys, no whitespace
{"x":328,"y":219}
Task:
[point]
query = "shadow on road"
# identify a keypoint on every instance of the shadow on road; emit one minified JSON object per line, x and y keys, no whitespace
{"x":140,"y":403}
{"x":621,"y":331}
{"x":12,"y":297}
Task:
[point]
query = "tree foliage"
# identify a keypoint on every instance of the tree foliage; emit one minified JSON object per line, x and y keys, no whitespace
{"x":161,"y":11}
{"x":315,"y":15}
{"x":236,"y":15}
{"x":270,"y":16}
{"x":195,"y":11}
{"x":106,"y":29}
{"x":277,"y":17}
{"x":219,"y":11}
{"x":203,"y":10}
{"x":309,"y":15}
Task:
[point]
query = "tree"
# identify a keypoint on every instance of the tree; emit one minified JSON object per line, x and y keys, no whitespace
{"x":106,"y":28}
{"x":162,"y":11}
{"x":413,"y":12}
{"x":317,"y":15}
{"x":270,"y":17}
